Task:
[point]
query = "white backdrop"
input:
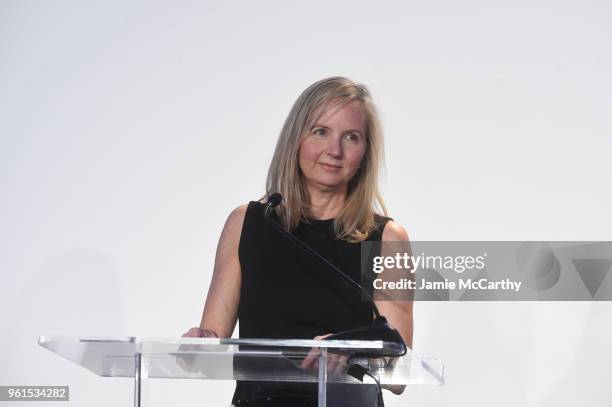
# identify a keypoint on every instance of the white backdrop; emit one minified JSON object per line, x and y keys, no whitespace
{"x":130,"y":130}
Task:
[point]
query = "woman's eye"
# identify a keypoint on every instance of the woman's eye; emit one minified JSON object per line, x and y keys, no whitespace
{"x":320,"y":132}
{"x":352,"y":137}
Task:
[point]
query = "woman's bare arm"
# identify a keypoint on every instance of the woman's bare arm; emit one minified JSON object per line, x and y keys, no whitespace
{"x":397,"y":312}
{"x":221,"y":307}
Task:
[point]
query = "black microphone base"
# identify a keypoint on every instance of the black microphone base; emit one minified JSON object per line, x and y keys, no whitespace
{"x":379,"y":331}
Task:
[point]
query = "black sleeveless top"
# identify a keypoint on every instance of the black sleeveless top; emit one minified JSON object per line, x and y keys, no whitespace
{"x":286,"y":293}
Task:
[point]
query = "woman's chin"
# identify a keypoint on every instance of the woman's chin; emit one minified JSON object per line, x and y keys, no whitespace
{"x":328,"y":185}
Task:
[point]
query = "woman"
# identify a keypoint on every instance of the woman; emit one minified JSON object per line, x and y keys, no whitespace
{"x":326,"y":167}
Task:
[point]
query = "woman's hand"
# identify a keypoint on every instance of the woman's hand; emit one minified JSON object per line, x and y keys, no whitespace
{"x":197,"y":332}
{"x":336,"y":363}
{"x":187,"y":353}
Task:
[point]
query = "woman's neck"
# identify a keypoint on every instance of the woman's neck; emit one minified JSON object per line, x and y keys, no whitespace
{"x":325,"y":205}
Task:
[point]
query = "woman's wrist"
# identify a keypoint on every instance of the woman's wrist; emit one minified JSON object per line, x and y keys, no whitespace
{"x":208,"y":333}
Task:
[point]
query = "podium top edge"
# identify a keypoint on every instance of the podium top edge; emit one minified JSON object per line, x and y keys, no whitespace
{"x":323,"y":343}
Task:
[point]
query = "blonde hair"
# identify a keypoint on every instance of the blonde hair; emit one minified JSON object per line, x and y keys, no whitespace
{"x":356,"y":219}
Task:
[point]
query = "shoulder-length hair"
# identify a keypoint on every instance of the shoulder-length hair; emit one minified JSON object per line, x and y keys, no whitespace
{"x":356,"y":219}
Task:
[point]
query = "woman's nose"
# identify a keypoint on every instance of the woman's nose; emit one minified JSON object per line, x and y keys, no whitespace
{"x":334,"y":147}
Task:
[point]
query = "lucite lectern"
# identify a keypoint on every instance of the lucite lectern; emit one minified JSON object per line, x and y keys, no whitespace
{"x":240,"y":359}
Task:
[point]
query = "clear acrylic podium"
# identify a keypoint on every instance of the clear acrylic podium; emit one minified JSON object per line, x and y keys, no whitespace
{"x":239,"y":359}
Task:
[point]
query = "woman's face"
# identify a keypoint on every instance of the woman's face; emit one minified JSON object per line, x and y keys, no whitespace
{"x":332,"y":149}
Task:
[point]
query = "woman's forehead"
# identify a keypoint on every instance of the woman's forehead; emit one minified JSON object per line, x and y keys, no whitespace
{"x":349,"y":112}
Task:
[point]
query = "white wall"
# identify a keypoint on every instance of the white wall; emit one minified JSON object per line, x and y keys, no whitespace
{"x":129,"y":130}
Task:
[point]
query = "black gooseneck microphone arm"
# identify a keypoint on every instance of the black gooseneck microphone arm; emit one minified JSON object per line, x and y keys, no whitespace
{"x":380,"y":330}
{"x":273,"y":202}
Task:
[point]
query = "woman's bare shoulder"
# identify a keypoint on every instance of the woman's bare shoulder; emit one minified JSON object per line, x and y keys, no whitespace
{"x":235,"y":220}
{"x":394,"y":232}
{"x":238,"y":213}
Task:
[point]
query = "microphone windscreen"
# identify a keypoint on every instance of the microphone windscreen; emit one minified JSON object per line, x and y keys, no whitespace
{"x":275,"y":199}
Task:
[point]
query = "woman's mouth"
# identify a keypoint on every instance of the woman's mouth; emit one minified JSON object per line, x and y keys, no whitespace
{"x":330,"y":167}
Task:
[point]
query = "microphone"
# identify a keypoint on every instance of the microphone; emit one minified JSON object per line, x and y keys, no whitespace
{"x":379,"y":330}
{"x":273,"y":201}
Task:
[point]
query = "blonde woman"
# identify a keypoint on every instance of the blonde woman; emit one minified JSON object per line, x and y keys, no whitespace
{"x":326,"y":166}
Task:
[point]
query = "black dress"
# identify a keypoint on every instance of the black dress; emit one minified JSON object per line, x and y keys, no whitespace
{"x":286,"y":293}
